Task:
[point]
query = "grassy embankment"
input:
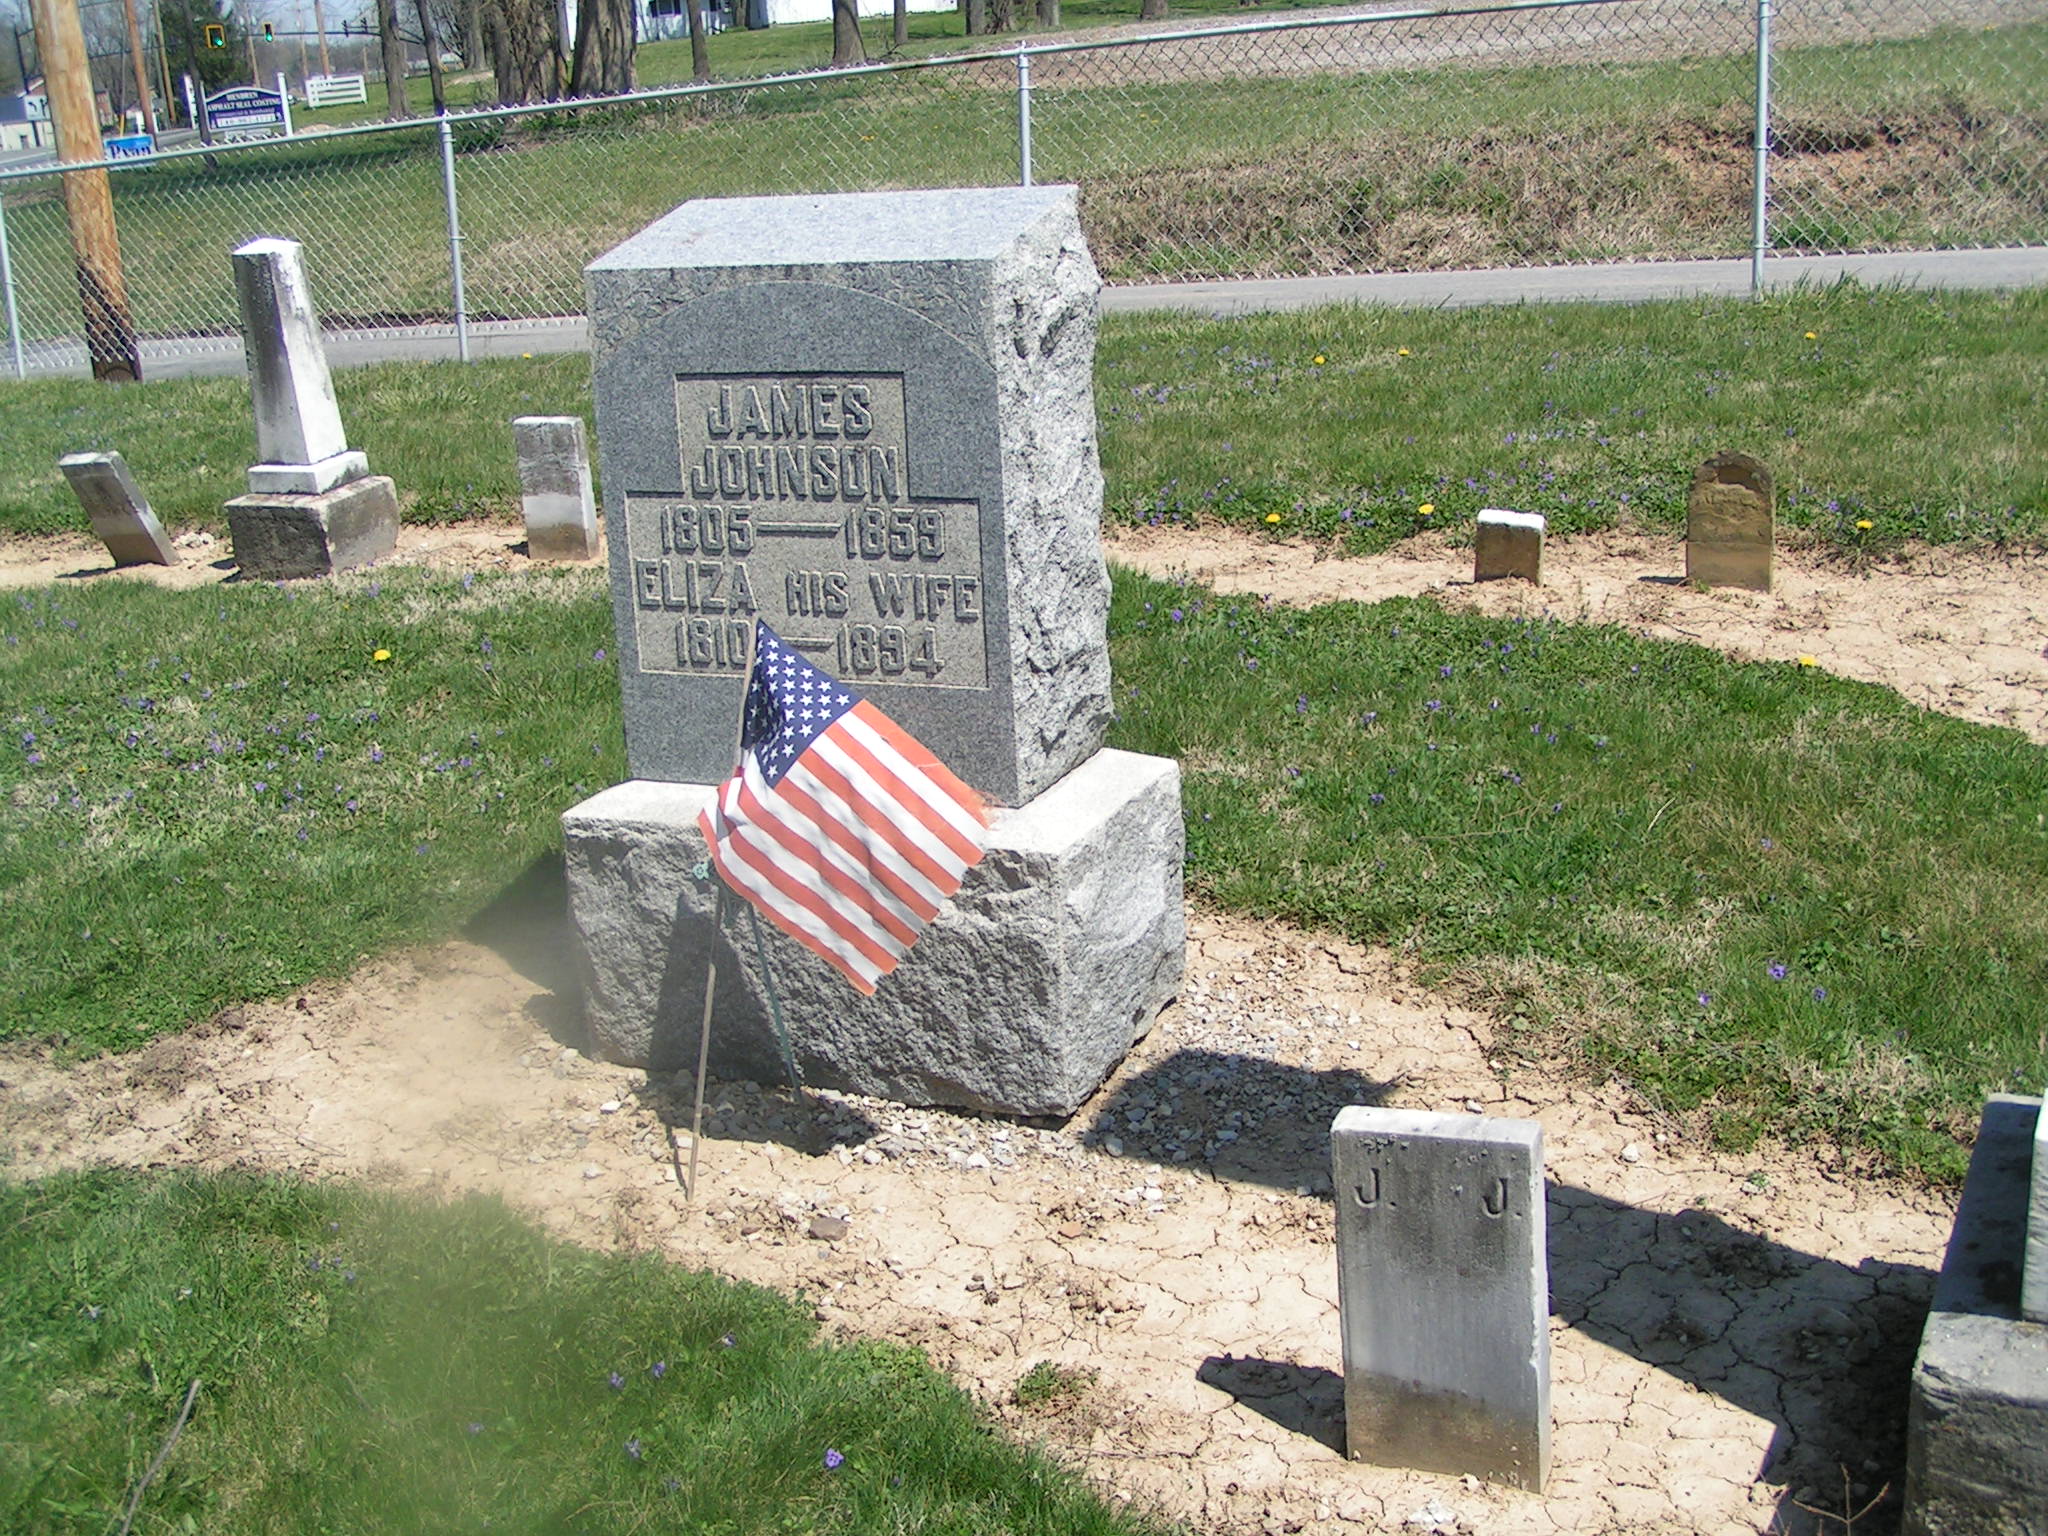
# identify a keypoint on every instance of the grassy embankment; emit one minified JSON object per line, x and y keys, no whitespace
{"x":1510,"y":162}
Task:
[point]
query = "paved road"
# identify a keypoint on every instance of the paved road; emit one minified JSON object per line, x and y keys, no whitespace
{"x":1618,"y":283}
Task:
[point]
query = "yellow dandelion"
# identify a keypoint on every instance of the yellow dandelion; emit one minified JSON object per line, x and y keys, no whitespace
{"x":1272,"y":517}
{"x":1426,"y":508}
{"x":1813,"y":335}
{"x":380,"y":654}
{"x":1402,"y":353}
{"x":526,"y":354}
{"x":1808,"y":661}
{"x":1319,"y":359}
{"x":1865,"y":523}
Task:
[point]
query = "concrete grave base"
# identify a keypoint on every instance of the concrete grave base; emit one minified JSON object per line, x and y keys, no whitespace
{"x":281,"y":536}
{"x":1025,"y":991}
{"x":1977,"y":1420}
{"x":308,"y":479}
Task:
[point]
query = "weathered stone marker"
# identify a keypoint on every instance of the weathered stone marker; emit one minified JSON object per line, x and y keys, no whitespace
{"x":1508,"y":544}
{"x":1977,"y":1414}
{"x":1731,"y":524}
{"x":313,"y":506}
{"x":2034,"y":1280}
{"x":870,"y":420}
{"x":120,"y":513}
{"x":1443,"y":1286}
{"x":554,"y":488}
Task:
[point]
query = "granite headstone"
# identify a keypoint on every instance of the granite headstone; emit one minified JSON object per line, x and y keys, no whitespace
{"x":554,"y":488}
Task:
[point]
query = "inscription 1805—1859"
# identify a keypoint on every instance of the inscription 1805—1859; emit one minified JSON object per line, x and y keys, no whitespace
{"x":795,"y":507}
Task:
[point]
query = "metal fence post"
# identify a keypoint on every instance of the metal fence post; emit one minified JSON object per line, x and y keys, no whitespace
{"x":454,"y":239}
{"x":7,"y":289}
{"x":1760,"y":216}
{"x":1023,"y":118}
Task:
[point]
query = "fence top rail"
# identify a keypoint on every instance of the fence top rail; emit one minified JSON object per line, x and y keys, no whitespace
{"x":1011,"y":54}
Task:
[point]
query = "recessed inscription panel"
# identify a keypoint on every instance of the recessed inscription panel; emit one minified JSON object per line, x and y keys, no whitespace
{"x":796,"y":508}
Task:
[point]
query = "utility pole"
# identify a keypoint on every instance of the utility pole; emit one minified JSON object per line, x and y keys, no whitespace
{"x":88,"y":200}
{"x":141,"y":69}
{"x":320,"y":26}
{"x":163,"y":59}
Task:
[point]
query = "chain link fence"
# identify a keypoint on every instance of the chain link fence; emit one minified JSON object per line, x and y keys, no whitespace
{"x":1564,"y":131}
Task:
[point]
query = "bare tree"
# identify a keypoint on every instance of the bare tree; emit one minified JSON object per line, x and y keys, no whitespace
{"x":977,"y":17}
{"x":899,"y":36}
{"x":1152,"y":10}
{"x":396,"y":104}
{"x":605,"y":36}
{"x":1048,"y":13}
{"x":847,"y":47}
{"x":526,"y":50}
{"x":700,"y":44}
{"x":425,"y":11}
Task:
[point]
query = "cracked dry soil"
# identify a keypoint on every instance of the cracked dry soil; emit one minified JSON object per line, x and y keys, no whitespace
{"x":1731,"y":1334}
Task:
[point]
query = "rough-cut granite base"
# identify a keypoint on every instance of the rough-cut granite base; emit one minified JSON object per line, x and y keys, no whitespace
{"x":1977,"y":1419}
{"x":1022,"y":995}
{"x":276,"y":537}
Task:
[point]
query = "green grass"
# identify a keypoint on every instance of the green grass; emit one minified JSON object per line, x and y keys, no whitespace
{"x":1590,"y":414}
{"x":195,"y":813}
{"x":1912,"y":411}
{"x":1930,"y":141}
{"x":370,"y":1363}
{"x":1616,"y":840}
{"x":216,"y":795}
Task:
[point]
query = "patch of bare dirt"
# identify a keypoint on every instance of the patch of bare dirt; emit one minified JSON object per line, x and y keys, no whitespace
{"x":1730,"y":1334}
{"x":1960,"y":631}
{"x":206,"y":559}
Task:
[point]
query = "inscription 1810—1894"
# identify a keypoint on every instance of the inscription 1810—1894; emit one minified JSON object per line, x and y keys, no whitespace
{"x":795,"y":508}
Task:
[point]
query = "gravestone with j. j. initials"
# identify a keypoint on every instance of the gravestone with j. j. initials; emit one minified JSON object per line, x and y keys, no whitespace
{"x":869,"y":420}
{"x":1731,"y":524}
{"x":313,"y":506}
{"x":1443,"y":1292}
{"x":121,"y":515}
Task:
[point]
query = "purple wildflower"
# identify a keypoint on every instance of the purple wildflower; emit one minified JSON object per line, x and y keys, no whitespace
{"x":1777,"y":970}
{"x":833,"y":1460}
{"x":618,"y":1382}
{"x":633,"y":1448}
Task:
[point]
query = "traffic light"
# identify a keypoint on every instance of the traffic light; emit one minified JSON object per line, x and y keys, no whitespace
{"x":216,"y":35}
{"x":268,"y":35}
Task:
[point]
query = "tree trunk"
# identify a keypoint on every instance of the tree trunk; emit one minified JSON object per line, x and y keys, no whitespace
{"x":1048,"y":13}
{"x":396,"y":105}
{"x":1002,"y":16}
{"x":472,"y":34}
{"x":525,"y":53}
{"x":433,"y":46}
{"x":700,"y":43}
{"x":977,"y":17}
{"x":603,"y":64}
{"x":899,"y":36}
{"x":846,"y":44}
{"x":1152,"y":10}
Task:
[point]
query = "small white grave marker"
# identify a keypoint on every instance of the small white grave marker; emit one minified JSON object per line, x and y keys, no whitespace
{"x":554,"y":488}
{"x":120,"y":513}
{"x":1443,"y":1289}
{"x":1508,"y":544}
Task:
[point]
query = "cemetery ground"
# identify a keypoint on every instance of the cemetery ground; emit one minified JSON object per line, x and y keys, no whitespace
{"x":1749,"y":937}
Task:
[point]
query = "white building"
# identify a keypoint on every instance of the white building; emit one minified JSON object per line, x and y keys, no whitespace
{"x":664,"y":19}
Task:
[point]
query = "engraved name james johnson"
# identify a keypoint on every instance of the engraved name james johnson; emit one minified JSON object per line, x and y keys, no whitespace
{"x":795,"y":507}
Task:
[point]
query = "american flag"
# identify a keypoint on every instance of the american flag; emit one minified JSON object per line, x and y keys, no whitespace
{"x":838,"y":825}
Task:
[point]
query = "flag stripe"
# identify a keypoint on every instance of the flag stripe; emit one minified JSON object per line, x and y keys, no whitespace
{"x":828,"y":861}
{"x":800,"y":891}
{"x":797,"y":923}
{"x":910,"y":785}
{"x":972,"y":817}
{"x":836,"y":822}
{"x":874,"y":787}
{"x":844,"y":797}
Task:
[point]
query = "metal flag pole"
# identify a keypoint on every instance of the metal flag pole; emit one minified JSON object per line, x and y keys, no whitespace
{"x":739,"y":749}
